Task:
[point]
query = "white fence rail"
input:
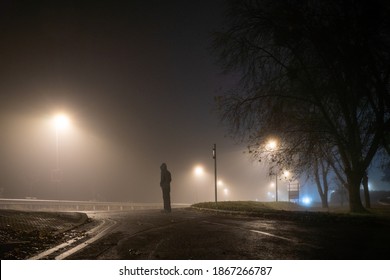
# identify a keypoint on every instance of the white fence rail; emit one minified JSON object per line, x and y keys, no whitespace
{"x":68,"y":205}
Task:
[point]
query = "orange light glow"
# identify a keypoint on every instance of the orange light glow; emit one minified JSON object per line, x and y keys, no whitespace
{"x":61,"y":121}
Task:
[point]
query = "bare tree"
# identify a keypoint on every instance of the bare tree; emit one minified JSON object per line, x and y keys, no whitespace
{"x":315,"y":74}
{"x":321,"y":171}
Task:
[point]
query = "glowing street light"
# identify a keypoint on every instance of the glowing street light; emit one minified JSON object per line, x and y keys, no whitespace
{"x":198,"y":171}
{"x":61,"y":122}
{"x":271,"y":146}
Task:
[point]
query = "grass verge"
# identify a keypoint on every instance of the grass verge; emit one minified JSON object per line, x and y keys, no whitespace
{"x":251,"y":206}
{"x":289,"y":211}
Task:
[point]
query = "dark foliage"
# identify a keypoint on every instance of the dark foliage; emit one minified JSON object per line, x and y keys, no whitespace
{"x":314,"y":75}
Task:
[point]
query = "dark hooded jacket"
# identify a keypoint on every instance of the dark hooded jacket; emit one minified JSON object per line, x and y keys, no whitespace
{"x":165,"y":176}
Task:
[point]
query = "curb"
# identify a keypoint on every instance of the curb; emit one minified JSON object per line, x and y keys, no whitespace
{"x":81,"y":219}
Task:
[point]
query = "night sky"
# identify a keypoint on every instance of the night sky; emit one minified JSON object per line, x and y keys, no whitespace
{"x":137,"y":80}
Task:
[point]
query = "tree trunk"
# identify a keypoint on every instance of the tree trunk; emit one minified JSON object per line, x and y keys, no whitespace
{"x":321,"y":192}
{"x":324,"y":202}
{"x":355,"y":203}
{"x":325,"y":170}
{"x":366,"y":191}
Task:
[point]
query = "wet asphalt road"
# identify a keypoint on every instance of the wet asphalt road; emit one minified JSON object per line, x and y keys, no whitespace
{"x":188,"y":234}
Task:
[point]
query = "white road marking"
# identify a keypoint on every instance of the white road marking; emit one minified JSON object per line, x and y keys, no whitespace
{"x":272,"y":235}
{"x":102,"y":229}
{"x":252,"y":230}
{"x":267,"y":233}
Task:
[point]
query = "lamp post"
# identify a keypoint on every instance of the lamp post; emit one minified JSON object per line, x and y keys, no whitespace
{"x":61,"y":122}
{"x":199,"y":172}
{"x":271,"y":193}
{"x":276,"y":186}
{"x":215,"y":173}
{"x":272,"y":146}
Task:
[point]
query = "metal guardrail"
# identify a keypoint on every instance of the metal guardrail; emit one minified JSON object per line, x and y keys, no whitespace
{"x":68,"y":205}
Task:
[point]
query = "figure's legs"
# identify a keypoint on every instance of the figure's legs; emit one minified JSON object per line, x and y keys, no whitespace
{"x":167,"y":199}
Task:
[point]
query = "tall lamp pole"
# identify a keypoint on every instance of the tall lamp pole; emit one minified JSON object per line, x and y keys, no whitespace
{"x":215,"y":173}
{"x":57,"y":150}
{"x":276,"y":186}
{"x":60,"y":123}
{"x":271,"y":146}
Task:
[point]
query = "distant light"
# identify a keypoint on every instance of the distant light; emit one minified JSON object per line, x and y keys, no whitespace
{"x":306,"y":200}
{"x":286,"y":173}
{"x":198,"y":170}
{"x":220,"y":183}
{"x":272,"y":185}
{"x":271,"y":145}
{"x":61,"y":121}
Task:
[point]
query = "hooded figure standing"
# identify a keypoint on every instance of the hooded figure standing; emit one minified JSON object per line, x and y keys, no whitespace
{"x":165,"y":185}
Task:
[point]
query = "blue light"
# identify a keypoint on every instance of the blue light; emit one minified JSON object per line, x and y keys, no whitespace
{"x":306,"y":200}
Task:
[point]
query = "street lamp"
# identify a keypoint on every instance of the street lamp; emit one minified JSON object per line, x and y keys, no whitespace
{"x":199,"y":173}
{"x":198,"y":170}
{"x":271,"y":146}
{"x":226,"y":192}
{"x":61,"y":122}
{"x":215,"y":174}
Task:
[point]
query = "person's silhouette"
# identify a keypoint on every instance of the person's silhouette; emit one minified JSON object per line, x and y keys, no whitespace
{"x":165,"y":184}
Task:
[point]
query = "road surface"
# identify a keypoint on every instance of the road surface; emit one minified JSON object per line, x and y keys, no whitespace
{"x":190,"y":234}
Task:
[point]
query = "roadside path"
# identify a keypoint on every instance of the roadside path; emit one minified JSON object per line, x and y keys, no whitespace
{"x":23,"y":233}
